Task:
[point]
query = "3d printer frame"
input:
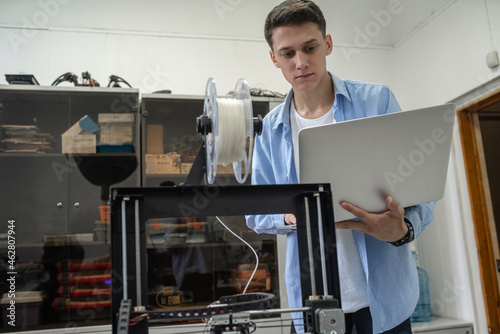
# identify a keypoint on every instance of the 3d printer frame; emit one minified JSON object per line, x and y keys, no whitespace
{"x":312,"y":205}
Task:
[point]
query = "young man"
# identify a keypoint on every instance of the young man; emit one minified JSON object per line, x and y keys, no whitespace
{"x":378,"y":278}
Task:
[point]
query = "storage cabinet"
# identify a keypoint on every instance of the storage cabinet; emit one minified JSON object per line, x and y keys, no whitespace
{"x":51,"y":202}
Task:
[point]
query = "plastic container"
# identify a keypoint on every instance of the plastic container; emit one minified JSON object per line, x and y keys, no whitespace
{"x":104,"y":211}
{"x":107,"y":148}
{"x":26,"y":310}
{"x":102,"y":231}
{"x":423,"y":310}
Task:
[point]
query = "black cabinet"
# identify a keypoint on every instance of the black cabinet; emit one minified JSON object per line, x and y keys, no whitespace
{"x":51,"y":202}
{"x":54,"y":236}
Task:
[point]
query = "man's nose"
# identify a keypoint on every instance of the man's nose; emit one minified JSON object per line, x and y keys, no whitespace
{"x":302,"y":60}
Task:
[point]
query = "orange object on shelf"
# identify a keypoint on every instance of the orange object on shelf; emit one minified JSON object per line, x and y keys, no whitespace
{"x":105,"y":216}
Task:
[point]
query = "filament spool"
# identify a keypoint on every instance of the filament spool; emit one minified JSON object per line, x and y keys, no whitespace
{"x":231,"y":137}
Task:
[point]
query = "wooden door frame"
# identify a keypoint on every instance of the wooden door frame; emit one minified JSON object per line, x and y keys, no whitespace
{"x":481,"y":207}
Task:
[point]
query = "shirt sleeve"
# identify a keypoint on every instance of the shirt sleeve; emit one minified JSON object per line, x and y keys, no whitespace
{"x":263,"y":173}
{"x":420,"y":216}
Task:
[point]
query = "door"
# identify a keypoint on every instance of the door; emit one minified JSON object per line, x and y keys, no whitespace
{"x":479,"y":126}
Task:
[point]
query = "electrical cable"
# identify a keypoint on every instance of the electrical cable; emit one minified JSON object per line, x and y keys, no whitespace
{"x":158,"y":302}
{"x":68,"y":76}
{"x":87,"y":80}
{"x":253,"y":326}
{"x":266,"y":93}
{"x":116,"y":80}
{"x":134,"y":321}
{"x":253,"y":250}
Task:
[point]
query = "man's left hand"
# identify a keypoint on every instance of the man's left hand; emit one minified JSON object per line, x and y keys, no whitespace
{"x":388,"y":226}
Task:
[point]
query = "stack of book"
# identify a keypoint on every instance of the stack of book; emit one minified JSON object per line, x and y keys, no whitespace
{"x":25,"y":139}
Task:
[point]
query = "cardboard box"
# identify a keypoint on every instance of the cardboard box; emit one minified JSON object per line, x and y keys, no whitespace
{"x":127,"y":118}
{"x":154,"y":139}
{"x":80,"y":137}
{"x":261,"y":281}
{"x":228,"y":169}
{"x":186,"y":167}
{"x":163,"y":163}
{"x":116,"y":128}
{"x":116,"y":134}
{"x":67,"y":239}
{"x":84,"y":143}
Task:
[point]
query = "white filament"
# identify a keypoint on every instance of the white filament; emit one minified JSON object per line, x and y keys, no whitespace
{"x":232,"y":131}
{"x":248,"y":245}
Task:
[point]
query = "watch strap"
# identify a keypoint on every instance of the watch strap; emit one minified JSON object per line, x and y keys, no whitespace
{"x":409,"y":236}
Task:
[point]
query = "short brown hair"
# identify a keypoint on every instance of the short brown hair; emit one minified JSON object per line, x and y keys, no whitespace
{"x":292,"y":12}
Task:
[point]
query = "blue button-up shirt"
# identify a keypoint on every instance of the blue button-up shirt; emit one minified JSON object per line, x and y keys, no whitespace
{"x":390,"y":271}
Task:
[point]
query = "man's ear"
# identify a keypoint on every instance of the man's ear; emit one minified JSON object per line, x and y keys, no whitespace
{"x":329,"y":44}
{"x":273,"y":59}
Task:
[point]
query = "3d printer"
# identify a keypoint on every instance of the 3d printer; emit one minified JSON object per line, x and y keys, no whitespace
{"x":131,"y":208}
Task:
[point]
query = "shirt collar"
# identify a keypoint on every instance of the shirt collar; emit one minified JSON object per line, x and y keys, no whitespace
{"x":284,"y":115}
{"x":340,"y":87}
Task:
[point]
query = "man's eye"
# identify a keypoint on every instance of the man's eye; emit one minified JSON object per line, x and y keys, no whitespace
{"x":311,"y":49}
{"x":287,"y":54}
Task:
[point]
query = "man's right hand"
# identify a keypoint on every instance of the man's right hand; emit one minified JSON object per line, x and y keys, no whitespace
{"x":290,"y":219}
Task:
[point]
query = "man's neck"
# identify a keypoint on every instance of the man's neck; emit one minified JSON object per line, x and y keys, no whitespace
{"x":315,"y":103}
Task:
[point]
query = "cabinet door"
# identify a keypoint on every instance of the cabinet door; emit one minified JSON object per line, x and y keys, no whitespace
{"x":33,"y":179}
{"x":91,"y":176}
{"x":34,"y":194}
{"x":170,"y":141}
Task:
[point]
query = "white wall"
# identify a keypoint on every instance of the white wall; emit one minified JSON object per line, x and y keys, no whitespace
{"x":442,"y":61}
{"x":148,"y":62}
{"x":447,"y":57}
{"x":152,"y":44}
{"x":155,"y":45}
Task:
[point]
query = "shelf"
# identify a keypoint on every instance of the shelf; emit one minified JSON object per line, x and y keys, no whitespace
{"x":98,"y":155}
{"x":41,"y":244}
{"x":67,"y":90}
{"x":179,"y":175}
{"x":439,"y":324}
{"x":30,"y":155}
{"x":209,"y":244}
{"x":166,"y":175}
{"x":34,"y":154}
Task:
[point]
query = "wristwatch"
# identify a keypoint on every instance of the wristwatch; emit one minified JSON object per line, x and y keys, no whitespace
{"x":409,"y":236}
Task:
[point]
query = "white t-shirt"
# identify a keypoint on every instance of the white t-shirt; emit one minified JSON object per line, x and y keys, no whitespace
{"x":353,"y":286}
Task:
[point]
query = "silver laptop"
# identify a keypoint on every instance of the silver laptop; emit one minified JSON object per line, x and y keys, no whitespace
{"x":404,"y":155}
